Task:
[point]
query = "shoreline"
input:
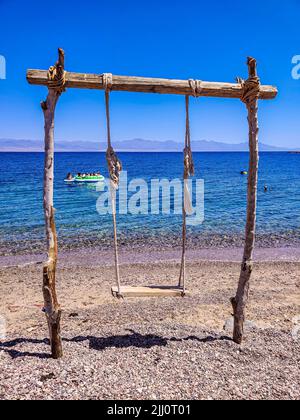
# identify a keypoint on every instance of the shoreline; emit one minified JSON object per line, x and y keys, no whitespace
{"x":97,"y":257}
{"x":204,"y":245}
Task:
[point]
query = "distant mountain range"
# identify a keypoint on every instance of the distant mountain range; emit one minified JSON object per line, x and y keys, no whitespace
{"x":135,"y":145}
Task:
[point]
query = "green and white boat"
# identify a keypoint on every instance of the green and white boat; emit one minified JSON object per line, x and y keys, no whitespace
{"x":88,"y":179}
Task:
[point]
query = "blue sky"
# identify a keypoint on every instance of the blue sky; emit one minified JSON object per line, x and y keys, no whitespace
{"x":176,"y":39}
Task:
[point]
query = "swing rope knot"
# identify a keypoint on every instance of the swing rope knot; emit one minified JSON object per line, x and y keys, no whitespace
{"x":195,"y":85}
{"x":57,"y":75}
{"x":107,"y":81}
{"x":113,"y":162}
{"x":189,"y":167}
{"x":114,"y":166}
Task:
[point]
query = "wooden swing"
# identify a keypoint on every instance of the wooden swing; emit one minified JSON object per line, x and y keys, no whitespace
{"x":114,"y":168}
{"x":56,"y":79}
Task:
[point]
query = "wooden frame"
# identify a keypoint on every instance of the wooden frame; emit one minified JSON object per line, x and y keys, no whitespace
{"x":149,"y":85}
{"x":56,"y":80}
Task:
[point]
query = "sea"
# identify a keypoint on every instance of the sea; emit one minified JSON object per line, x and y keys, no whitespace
{"x":79,"y":224}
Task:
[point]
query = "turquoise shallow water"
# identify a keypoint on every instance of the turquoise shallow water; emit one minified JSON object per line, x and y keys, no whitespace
{"x":21,"y":185}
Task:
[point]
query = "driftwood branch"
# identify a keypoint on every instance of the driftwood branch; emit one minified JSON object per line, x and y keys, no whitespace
{"x":51,"y":306}
{"x":239,"y":302}
{"x":150,"y":85}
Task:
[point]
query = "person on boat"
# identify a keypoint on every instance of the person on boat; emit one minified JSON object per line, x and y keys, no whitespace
{"x":69,"y":177}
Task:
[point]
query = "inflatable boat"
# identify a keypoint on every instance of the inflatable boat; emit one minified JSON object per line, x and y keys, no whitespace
{"x":86,"y":179}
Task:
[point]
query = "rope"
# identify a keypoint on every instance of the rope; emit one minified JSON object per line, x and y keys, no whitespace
{"x":107,"y":81}
{"x":57,"y":78}
{"x":251,"y":90}
{"x":182,"y":276}
{"x":189,"y":170}
{"x":195,"y":85}
{"x":114,"y":168}
{"x":117,"y":265}
{"x":114,"y":164}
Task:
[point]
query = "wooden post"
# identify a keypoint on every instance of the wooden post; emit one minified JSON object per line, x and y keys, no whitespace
{"x":239,"y":302}
{"x":51,"y":306}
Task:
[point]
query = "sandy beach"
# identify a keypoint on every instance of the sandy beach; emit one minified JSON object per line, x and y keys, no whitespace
{"x":169,"y":348}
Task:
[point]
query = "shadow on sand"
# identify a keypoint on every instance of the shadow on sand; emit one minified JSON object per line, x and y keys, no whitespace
{"x":8,"y":347}
{"x":133,"y":339}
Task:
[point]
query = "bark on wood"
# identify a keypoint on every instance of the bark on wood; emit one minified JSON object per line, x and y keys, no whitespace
{"x":149,"y":85}
{"x":51,"y":306}
{"x":239,"y":302}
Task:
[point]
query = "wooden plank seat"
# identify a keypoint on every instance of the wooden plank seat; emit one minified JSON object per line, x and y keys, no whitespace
{"x":149,"y":291}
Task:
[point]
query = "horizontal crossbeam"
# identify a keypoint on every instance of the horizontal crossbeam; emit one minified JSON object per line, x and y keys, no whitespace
{"x":149,"y":85}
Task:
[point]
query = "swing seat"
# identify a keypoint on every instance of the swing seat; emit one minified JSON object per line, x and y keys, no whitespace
{"x":149,"y":291}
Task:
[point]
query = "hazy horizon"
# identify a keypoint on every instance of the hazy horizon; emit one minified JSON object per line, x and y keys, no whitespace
{"x":134,"y":145}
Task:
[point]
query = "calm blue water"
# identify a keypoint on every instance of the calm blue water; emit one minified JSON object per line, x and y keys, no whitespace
{"x":21,"y":185}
